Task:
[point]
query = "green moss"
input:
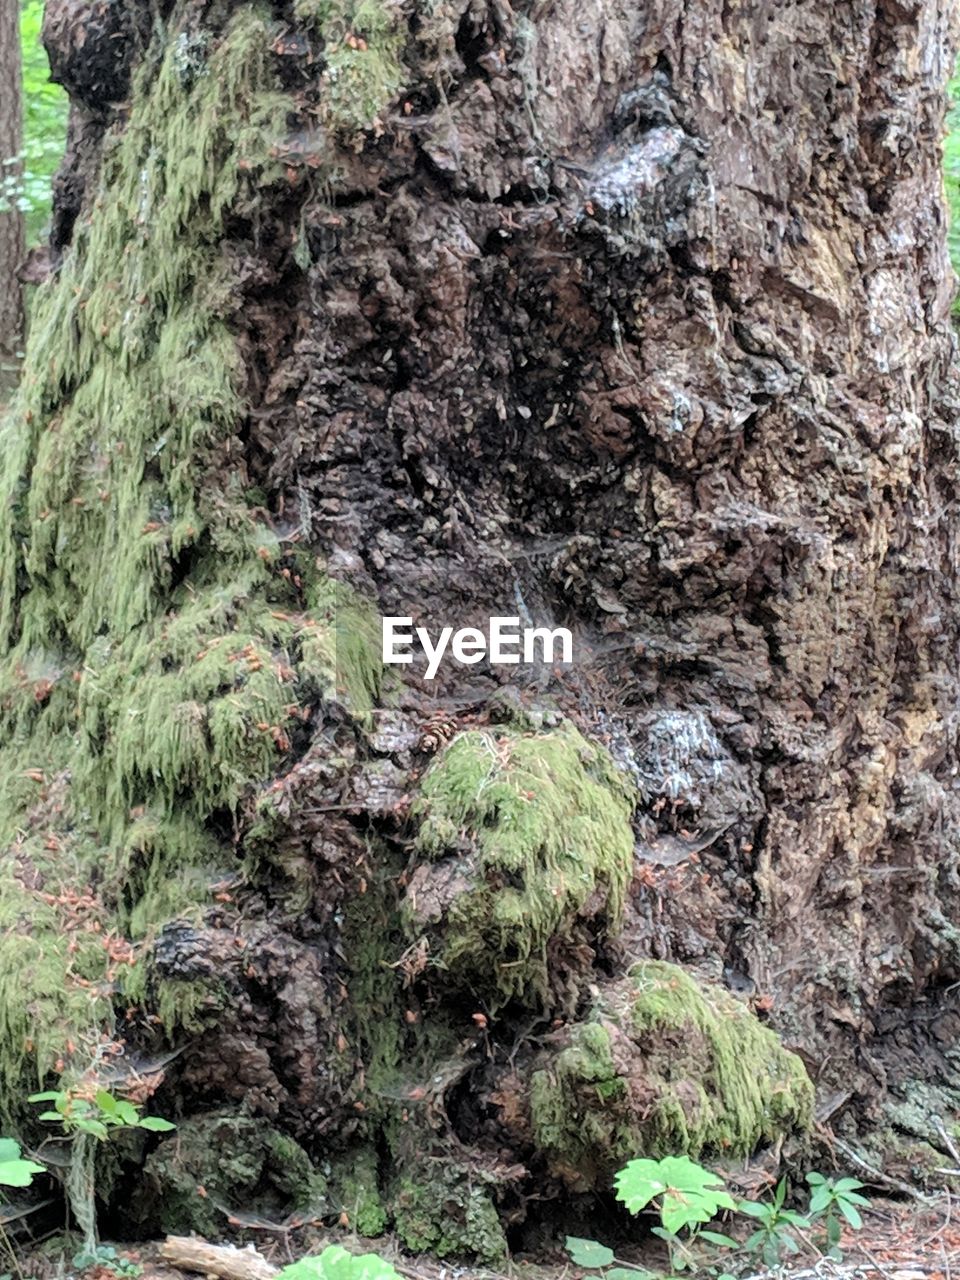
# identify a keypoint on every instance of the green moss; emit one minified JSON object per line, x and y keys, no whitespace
{"x":240,"y":1161}
{"x":162,"y":647}
{"x":354,"y":1182}
{"x":363,"y":73}
{"x":665,"y":1067}
{"x":448,"y":1211}
{"x":540,"y":828}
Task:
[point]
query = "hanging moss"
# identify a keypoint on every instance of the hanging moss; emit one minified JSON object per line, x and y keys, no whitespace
{"x":163,"y":649}
{"x":664,"y":1067}
{"x":527,"y":833}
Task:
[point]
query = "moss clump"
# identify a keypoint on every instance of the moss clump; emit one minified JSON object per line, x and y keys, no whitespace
{"x":241,"y":1162}
{"x":526,"y":834}
{"x":355,"y":1186}
{"x":363,"y":73}
{"x":448,"y":1211}
{"x":665,"y":1067}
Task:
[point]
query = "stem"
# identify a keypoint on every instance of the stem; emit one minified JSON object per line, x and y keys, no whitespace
{"x":8,"y":1245}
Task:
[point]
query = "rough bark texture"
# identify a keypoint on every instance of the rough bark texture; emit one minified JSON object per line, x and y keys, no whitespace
{"x":630,"y":317}
{"x":11,"y":222}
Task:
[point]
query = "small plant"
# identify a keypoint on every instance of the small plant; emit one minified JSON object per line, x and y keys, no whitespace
{"x":104,"y":1257}
{"x":76,"y":1112}
{"x":88,"y":1117}
{"x":687,"y":1196}
{"x":337,"y":1263}
{"x":775,"y":1235}
{"x":593,"y":1256}
{"x":832,"y":1201}
{"x":15,"y":1172}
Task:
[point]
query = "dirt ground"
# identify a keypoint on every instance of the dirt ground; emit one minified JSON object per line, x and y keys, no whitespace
{"x":915,"y":1240}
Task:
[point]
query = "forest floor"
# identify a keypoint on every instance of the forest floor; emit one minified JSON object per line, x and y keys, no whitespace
{"x":899,"y":1241}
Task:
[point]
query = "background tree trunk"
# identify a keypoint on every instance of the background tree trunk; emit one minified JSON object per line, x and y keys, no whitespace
{"x":630,"y":317}
{"x":11,"y":222}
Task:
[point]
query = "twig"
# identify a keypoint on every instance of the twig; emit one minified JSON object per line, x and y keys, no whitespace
{"x":880,"y":1176}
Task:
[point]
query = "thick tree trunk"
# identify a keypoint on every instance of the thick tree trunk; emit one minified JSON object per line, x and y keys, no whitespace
{"x":11,"y":220}
{"x":628,"y":317}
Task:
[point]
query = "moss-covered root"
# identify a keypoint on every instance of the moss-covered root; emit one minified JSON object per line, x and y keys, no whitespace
{"x":665,"y":1066}
{"x":527,"y":838}
{"x":227,"y":1160}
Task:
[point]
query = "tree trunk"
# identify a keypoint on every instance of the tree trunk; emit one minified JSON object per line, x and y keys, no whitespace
{"x":11,"y":220}
{"x":631,"y":318}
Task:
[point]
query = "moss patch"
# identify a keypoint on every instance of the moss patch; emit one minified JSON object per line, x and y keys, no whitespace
{"x":525,"y":833}
{"x":242,"y":1163}
{"x":448,"y":1211}
{"x":665,"y":1067}
{"x":363,"y":73}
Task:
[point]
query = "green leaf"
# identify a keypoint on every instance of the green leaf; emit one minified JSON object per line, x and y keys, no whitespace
{"x":753,"y":1209}
{"x":106,"y":1102}
{"x":19,"y":1173}
{"x":628,"y":1273}
{"x":848,"y":1184}
{"x":50,"y":1115}
{"x":588,"y":1253}
{"x":156,"y":1125}
{"x":820,"y":1198}
{"x":717,"y":1237}
{"x":9,"y":1150}
{"x":851,"y":1214}
{"x":851,"y":1197}
{"x":95,"y":1127}
{"x":49,"y":1095}
{"x":335,"y":1263}
{"x":128,"y":1113}
{"x":689,"y":1193}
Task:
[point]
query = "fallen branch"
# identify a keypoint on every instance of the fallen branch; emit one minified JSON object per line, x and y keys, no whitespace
{"x":223,"y":1260}
{"x":878,"y":1174}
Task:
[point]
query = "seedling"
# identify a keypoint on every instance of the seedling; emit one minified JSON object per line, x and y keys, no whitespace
{"x":833,"y":1201}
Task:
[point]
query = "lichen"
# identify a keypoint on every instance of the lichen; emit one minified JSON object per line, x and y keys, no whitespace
{"x":665,"y":1066}
{"x":448,"y":1211}
{"x":527,"y":832}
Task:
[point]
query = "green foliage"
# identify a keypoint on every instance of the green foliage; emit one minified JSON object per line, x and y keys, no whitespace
{"x":594,"y":1256}
{"x":833,"y":1200}
{"x":775,"y":1236}
{"x":14,"y":1170}
{"x":687,"y":1193}
{"x":336,"y":1263}
{"x":105,"y":1258}
{"x":686,"y":1196}
{"x":25,"y":181}
{"x":77,"y":1113}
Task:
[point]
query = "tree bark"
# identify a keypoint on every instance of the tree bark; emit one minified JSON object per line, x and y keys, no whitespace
{"x":630,"y":318}
{"x":11,"y":222}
